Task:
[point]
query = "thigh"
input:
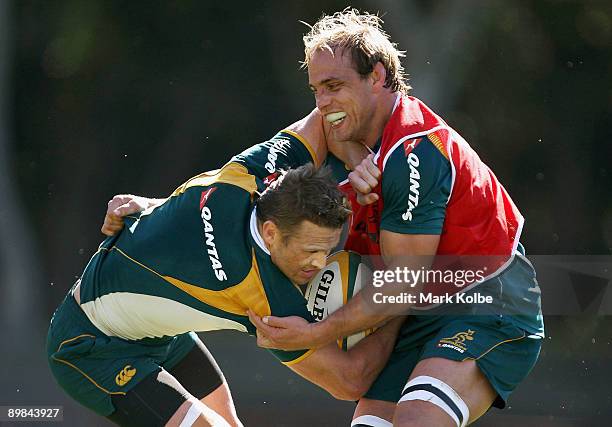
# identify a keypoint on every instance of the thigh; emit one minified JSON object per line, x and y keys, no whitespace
{"x":150,"y":403}
{"x":200,"y":374}
{"x":465,"y":378}
{"x":481,"y":358}
{"x":160,"y":400}
{"x":197,"y":371}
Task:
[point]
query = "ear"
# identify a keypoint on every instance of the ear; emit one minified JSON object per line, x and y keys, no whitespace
{"x":378,"y":76}
{"x":270,"y":233}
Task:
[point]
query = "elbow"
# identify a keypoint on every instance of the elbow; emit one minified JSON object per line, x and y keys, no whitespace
{"x":348,"y":392}
{"x":351,"y":387}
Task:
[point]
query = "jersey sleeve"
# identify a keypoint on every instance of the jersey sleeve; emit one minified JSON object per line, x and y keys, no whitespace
{"x":284,"y":299}
{"x":286,"y":150}
{"x":294,"y":304}
{"x":416,"y":185}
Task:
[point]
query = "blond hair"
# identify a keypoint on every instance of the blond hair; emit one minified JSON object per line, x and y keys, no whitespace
{"x":361,"y":35}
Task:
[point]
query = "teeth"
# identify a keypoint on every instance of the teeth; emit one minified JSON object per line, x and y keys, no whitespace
{"x":335,"y":118}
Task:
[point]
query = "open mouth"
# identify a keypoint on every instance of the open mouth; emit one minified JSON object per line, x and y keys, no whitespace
{"x":335,"y":118}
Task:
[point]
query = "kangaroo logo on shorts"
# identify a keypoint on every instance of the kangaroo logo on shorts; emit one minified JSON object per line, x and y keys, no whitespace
{"x":125,"y":375}
{"x":457,"y":341}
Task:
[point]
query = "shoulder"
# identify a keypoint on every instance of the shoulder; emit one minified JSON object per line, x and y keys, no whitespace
{"x":417,"y":158}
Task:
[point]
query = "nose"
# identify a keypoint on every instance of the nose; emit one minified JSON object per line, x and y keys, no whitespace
{"x":319,"y":260}
{"x":322,"y":100}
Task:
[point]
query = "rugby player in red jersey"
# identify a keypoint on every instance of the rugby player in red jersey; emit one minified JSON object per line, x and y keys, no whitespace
{"x":425,"y":194}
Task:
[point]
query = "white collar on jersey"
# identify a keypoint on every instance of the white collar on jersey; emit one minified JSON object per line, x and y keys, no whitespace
{"x":255,"y":232}
{"x":397,"y":98}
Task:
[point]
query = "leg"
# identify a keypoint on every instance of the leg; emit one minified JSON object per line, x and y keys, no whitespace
{"x":373,"y":413}
{"x":199,"y":373}
{"x":160,"y":400}
{"x":467,"y":385}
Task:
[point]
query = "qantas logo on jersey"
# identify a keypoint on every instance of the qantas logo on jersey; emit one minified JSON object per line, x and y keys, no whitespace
{"x":413,"y":195}
{"x":409,"y":145}
{"x":211,"y":248}
{"x":270,"y":178}
{"x":205,"y":195}
{"x":279,"y":144}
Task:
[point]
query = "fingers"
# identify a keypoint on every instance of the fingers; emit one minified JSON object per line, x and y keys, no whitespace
{"x":125,"y":204}
{"x":365,"y":176}
{"x":262,"y":340}
{"x":277,"y":322}
{"x":369,"y":164}
{"x":118,"y":200}
{"x":367,"y":199}
{"x":118,"y":207}
{"x":112,"y":225}
{"x":128,"y":208}
{"x":255,"y":320}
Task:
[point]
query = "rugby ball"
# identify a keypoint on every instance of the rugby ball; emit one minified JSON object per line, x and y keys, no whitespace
{"x":333,"y":286}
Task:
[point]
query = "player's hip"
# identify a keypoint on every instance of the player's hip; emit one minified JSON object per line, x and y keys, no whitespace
{"x":91,"y":366}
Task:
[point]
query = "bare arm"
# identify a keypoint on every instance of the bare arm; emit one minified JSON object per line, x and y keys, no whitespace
{"x":347,"y":375}
{"x":311,"y":129}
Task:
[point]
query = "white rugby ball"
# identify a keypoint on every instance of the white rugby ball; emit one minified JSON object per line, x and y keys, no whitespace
{"x":336,"y":283}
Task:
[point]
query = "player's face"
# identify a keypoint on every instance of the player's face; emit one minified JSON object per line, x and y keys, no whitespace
{"x":345,"y":98}
{"x":303,"y":253}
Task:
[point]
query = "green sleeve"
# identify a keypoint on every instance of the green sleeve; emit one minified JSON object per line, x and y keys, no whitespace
{"x":284,"y":299}
{"x":415,"y":189}
{"x":285,"y":150}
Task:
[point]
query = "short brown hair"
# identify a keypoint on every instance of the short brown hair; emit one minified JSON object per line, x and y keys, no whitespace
{"x":304,"y":193}
{"x":362,"y":36}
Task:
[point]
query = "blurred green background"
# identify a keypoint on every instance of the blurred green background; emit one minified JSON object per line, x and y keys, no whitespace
{"x":104,"y":97}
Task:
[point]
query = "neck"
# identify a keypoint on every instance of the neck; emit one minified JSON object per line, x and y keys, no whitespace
{"x":380,"y":119}
{"x":260,"y":230}
{"x":352,"y":153}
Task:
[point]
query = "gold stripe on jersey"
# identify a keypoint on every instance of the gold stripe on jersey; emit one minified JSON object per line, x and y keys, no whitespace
{"x":304,"y":142}
{"x":232,"y":173}
{"x":435,"y":139}
{"x":236,"y":299}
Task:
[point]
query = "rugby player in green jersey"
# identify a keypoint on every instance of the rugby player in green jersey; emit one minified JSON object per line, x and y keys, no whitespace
{"x":221,"y":245}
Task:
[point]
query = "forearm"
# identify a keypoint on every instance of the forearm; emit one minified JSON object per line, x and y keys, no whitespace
{"x":370,"y":355}
{"x":348,"y":375}
{"x":360,"y":314}
{"x":311,"y":129}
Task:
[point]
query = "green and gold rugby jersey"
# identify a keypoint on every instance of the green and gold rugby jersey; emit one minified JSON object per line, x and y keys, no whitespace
{"x":197,"y":262}
{"x":285,"y":150}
